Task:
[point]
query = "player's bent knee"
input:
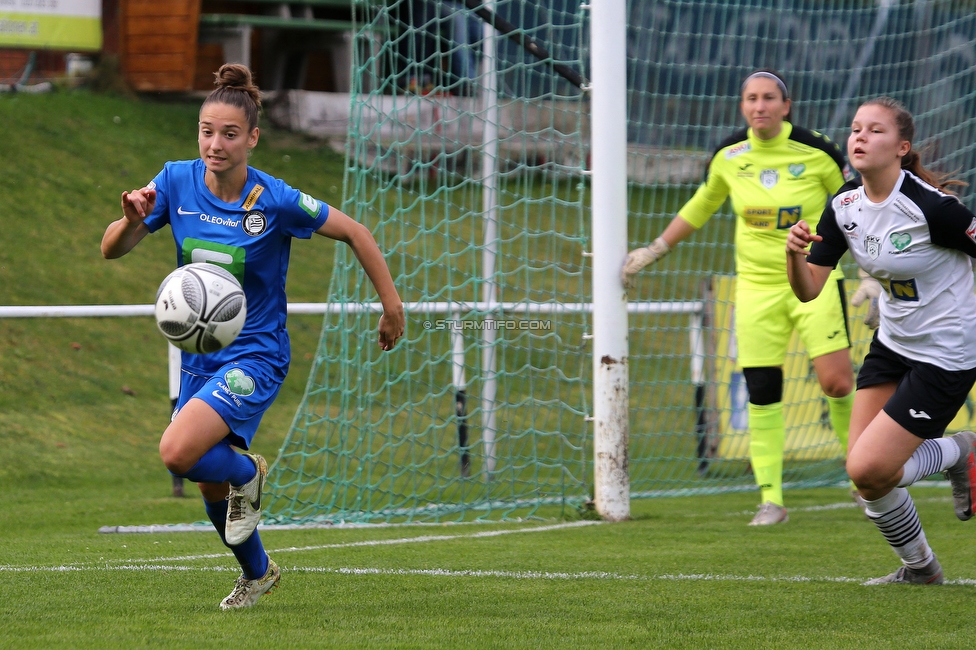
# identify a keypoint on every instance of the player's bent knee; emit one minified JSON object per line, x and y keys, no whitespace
{"x":839,"y":386}
{"x":175,"y":458}
{"x":867,"y":475}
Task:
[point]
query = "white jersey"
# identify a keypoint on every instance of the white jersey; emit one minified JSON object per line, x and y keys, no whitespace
{"x":919,"y":244}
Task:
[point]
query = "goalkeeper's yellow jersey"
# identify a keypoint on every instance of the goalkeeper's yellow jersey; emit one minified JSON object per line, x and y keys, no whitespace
{"x":772,"y":184}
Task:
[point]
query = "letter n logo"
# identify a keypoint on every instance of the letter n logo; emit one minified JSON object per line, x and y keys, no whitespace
{"x":904,"y":290}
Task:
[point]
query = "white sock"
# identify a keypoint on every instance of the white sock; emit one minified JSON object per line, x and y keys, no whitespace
{"x":895,"y":516}
{"x":931,"y":457}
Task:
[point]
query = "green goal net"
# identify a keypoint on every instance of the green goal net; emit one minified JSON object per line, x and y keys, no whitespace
{"x":468,"y":155}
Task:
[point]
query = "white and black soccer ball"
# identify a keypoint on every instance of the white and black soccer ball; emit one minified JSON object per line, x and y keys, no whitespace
{"x":200,"y":308}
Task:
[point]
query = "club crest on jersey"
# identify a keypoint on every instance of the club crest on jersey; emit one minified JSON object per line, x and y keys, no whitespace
{"x":872,"y":246}
{"x":254,"y":223}
{"x":797,"y":169}
{"x":769,"y":178}
{"x":971,"y":231}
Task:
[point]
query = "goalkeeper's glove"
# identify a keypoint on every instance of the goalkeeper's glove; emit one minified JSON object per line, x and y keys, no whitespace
{"x":869,"y":290}
{"x":641,"y":257}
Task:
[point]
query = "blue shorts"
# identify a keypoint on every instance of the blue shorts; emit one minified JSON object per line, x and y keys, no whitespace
{"x":240,"y":392}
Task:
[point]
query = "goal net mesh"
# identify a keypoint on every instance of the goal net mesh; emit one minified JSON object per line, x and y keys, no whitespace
{"x":467,"y":158}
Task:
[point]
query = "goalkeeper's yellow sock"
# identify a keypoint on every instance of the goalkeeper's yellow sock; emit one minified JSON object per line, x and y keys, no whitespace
{"x":767,"y":432}
{"x":840,"y":418}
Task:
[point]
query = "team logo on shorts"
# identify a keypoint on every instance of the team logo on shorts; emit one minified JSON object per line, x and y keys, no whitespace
{"x":769,"y":178}
{"x":238,"y":382}
{"x":254,"y":223}
{"x":872,"y":246}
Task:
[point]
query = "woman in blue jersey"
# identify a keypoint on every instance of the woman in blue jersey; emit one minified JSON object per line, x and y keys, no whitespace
{"x":224,"y":212}
{"x":918,"y":241}
{"x":773,"y":173}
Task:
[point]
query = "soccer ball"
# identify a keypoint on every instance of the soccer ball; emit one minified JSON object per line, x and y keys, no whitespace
{"x":200,"y":308}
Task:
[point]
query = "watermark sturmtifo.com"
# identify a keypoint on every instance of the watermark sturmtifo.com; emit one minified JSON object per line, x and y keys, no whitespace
{"x":488,"y":324}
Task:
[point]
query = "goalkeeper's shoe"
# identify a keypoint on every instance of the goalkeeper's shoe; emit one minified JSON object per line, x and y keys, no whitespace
{"x":247,"y":592}
{"x":769,"y":514}
{"x":244,"y":507}
{"x":930,"y":574}
{"x":962,"y":475}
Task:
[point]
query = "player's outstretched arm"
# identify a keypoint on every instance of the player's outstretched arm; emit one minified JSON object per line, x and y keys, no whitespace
{"x":807,"y":280}
{"x":122,"y":235}
{"x":341,"y":227}
{"x":676,"y":232}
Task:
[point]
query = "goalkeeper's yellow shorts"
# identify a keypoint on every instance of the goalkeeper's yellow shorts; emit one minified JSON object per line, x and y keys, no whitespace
{"x":766,"y":315}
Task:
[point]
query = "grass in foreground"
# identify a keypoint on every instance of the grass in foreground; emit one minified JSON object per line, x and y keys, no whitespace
{"x":685,"y":573}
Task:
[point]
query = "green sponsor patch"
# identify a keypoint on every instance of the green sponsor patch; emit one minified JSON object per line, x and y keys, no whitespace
{"x":309,"y":204}
{"x":238,"y":382}
{"x":900,"y":240}
{"x":230,"y":257}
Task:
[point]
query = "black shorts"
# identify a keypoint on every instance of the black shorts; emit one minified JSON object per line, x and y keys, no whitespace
{"x":927,"y":397}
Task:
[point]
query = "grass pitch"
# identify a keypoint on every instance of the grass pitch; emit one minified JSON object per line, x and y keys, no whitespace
{"x":83,"y":401}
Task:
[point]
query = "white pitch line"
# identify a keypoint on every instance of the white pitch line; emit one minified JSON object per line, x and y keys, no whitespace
{"x":481,"y":573}
{"x":374,"y":542}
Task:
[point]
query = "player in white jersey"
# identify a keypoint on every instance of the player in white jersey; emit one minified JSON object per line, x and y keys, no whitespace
{"x":222,"y":211}
{"x":918,"y":242}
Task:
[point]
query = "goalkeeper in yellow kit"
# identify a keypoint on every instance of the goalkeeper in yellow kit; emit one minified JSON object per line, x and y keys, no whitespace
{"x":775,"y":174}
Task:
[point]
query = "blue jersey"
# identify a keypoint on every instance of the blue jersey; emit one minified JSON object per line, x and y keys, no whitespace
{"x":250,"y":238}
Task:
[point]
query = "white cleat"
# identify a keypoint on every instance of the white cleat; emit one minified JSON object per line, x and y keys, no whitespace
{"x":244,"y":507}
{"x":247,"y":592}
